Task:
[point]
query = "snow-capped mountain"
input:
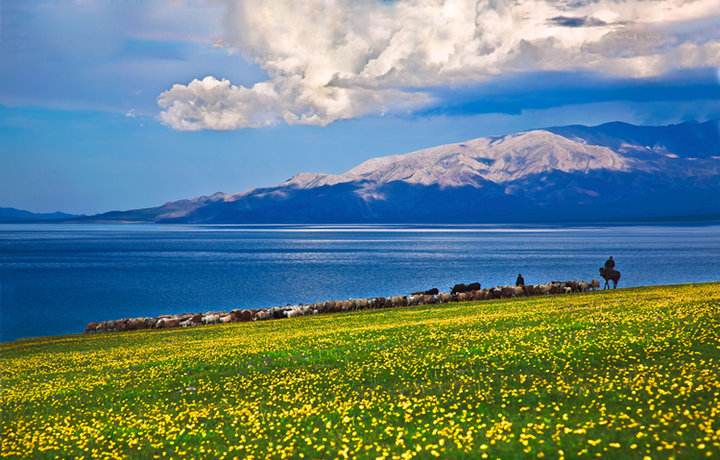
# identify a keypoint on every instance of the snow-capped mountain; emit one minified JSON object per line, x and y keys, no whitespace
{"x":473,"y":162}
{"x":611,"y":171}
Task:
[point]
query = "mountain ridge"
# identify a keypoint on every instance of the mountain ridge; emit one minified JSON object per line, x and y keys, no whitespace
{"x":13,"y":215}
{"x":610,"y":171}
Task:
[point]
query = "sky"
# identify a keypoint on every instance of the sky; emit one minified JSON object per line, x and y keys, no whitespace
{"x":118,"y":105}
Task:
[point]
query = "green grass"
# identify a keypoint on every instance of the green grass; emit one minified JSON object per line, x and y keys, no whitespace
{"x":631,"y":373}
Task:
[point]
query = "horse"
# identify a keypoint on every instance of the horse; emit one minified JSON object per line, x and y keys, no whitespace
{"x":608,"y":275}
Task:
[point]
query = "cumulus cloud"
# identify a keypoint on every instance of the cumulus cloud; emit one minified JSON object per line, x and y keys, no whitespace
{"x":213,"y":103}
{"x":328,"y":60}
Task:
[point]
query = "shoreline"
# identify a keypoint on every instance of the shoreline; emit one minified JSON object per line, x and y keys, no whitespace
{"x":23,"y":340}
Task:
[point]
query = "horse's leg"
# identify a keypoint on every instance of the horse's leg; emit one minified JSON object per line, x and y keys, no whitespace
{"x":614,"y":283}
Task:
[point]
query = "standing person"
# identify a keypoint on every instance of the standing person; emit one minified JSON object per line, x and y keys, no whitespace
{"x":520,"y":281}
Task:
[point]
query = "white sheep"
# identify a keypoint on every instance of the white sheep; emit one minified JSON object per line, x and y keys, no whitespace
{"x":210,"y":319}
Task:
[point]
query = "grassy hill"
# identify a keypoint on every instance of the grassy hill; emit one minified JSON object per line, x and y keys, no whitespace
{"x":632,"y":373}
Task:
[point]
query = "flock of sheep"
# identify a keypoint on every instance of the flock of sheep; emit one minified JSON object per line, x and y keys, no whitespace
{"x":459,"y":293}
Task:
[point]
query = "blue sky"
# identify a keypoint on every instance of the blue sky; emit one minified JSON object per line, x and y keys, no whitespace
{"x":105,"y":106}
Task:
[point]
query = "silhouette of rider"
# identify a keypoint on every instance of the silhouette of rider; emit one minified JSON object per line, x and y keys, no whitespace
{"x":520,"y":281}
{"x":610,"y":264}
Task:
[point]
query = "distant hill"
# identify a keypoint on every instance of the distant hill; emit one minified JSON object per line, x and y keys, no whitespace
{"x":614,"y":171}
{"x":18,"y":215}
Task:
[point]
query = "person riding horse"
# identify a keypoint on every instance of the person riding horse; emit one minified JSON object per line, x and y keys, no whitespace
{"x":609,"y":273}
{"x":610,"y":263}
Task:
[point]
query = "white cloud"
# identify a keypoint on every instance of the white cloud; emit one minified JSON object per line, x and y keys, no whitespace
{"x":211,"y":103}
{"x":217,"y":104}
{"x":328,"y":60}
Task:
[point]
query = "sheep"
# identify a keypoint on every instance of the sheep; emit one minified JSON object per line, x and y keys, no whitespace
{"x":273,"y":313}
{"x":167,"y":322}
{"x":478,"y":294}
{"x":542,"y":289}
{"x":241,"y":315}
{"x":210,"y":318}
{"x":135,"y":323}
{"x":187,"y":323}
{"x":399,"y":301}
{"x":573,"y":285}
{"x":460,"y":293}
{"x":495,"y":293}
{"x":426,"y":299}
{"x":361,"y":304}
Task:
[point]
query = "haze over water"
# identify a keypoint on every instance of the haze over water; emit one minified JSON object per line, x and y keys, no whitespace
{"x":56,"y":278}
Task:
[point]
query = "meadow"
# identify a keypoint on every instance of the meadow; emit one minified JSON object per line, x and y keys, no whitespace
{"x":631,"y":373}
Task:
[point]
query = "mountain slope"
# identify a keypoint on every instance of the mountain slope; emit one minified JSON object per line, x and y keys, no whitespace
{"x":473,"y":162}
{"x":692,"y":139}
{"x":166,"y":212}
{"x":611,"y":171}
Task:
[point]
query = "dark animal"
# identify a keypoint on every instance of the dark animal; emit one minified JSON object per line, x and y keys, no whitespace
{"x":610,"y":275}
{"x":433,"y":291}
{"x":520,"y":281}
{"x":459,"y":288}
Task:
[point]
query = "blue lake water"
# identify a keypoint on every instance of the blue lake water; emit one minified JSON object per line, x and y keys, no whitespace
{"x":56,"y":278}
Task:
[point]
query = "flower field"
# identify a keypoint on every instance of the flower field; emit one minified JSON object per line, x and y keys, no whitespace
{"x":632,"y":373}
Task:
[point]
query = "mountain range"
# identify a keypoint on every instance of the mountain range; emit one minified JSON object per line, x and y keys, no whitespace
{"x":13,"y":215}
{"x":614,"y":171}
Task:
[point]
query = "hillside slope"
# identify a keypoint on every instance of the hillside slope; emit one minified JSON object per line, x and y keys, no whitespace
{"x":622,"y":374}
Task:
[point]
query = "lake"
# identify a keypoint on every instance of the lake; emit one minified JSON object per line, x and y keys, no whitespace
{"x":55,"y":278}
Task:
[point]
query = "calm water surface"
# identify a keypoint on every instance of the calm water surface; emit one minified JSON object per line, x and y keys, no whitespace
{"x":56,"y":278}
